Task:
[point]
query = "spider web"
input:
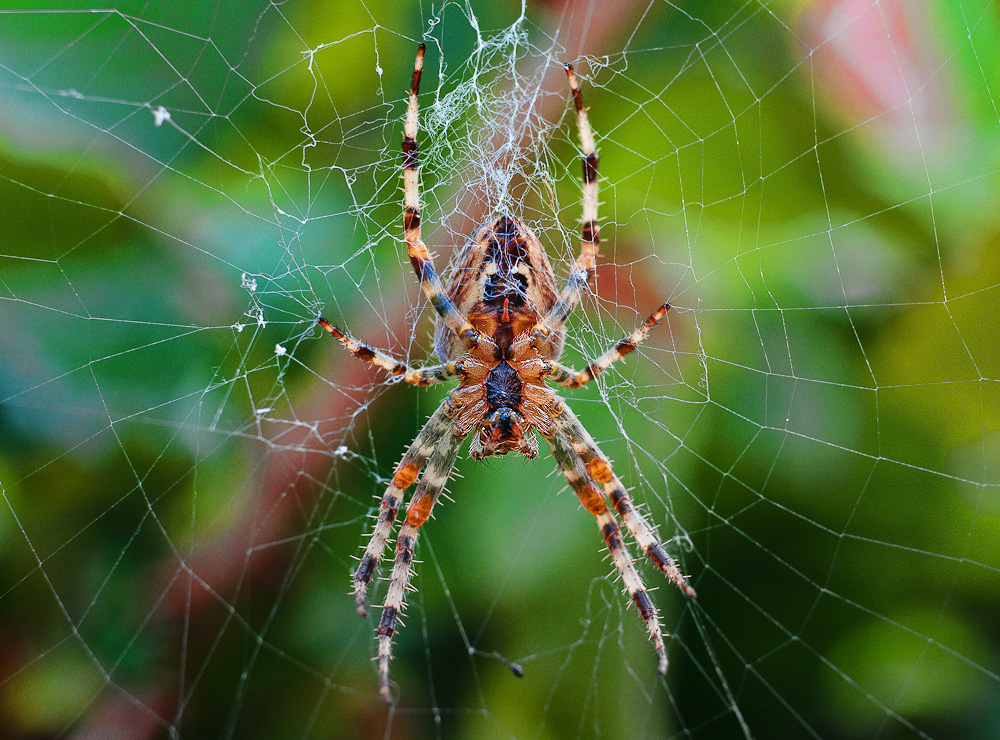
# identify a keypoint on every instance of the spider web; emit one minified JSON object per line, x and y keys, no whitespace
{"x":188,"y":464}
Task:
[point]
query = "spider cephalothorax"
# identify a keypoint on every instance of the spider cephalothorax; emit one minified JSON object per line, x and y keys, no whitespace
{"x":500,"y":331}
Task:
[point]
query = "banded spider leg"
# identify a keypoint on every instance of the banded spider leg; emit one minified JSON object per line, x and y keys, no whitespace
{"x":583,"y":270}
{"x":427,"y":441}
{"x":427,"y":375}
{"x":582,"y":274}
{"x":559,"y":373}
{"x":593,"y":500}
{"x":423,"y":262}
{"x":431,"y":484}
{"x":600,"y":470}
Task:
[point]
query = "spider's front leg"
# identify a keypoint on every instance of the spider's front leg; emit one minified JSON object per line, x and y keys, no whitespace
{"x":576,"y":473}
{"x":403,"y":477}
{"x":559,"y":373}
{"x":600,"y":470}
{"x":417,"y":376}
{"x":431,"y":484}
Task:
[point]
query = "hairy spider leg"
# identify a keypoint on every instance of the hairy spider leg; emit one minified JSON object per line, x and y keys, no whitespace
{"x":431,"y":484}
{"x":579,"y":478}
{"x":582,"y":274}
{"x":426,"y":442}
{"x":427,"y":375}
{"x":599,"y":468}
{"x":423,"y":263}
{"x":559,"y":373}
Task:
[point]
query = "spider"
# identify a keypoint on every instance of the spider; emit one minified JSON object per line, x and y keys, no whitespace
{"x":499,"y":333}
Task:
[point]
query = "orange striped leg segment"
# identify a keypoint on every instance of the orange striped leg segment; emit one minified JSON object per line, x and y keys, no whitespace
{"x":405,"y":474}
{"x":582,"y":274}
{"x":579,"y":478}
{"x":417,"y":376}
{"x":600,"y":470}
{"x":427,"y":493}
{"x":423,"y":263}
{"x":559,"y":373}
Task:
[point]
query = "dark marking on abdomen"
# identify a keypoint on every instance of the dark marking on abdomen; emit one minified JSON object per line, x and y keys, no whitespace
{"x":502,"y":284}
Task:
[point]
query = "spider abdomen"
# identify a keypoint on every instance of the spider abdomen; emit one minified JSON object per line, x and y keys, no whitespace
{"x":501,"y":276}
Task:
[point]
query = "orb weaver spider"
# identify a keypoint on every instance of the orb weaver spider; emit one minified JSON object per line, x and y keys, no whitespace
{"x":500,"y":331}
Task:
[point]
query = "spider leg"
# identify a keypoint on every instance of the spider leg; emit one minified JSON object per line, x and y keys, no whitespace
{"x":423,"y":263}
{"x":559,"y":373}
{"x":402,"y":478}
{"x":579,"y":478}
{"x":583,"y":271}
{"x":417,"y":376}
{"x":600,"y":470}
{"x":431,"y":484}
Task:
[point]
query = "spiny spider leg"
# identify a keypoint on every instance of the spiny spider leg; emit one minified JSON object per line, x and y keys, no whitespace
{"x":423,"y":263}
{"x":583,"y":271}
{"x":431,"y":483}
{"x":417,"y":376}
{"x":573,"y":468}
{"x":559,"y":373}
{"x":599,"y":468}
{"x":423,"y":447}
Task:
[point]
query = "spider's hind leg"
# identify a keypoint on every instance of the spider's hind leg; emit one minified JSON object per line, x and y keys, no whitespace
{"x":583,"y":271}
{"x":423,"y":263}
{"x":579,"y":478}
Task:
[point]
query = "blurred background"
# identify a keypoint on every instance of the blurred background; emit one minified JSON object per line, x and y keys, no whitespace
{"x":187,"y":464}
